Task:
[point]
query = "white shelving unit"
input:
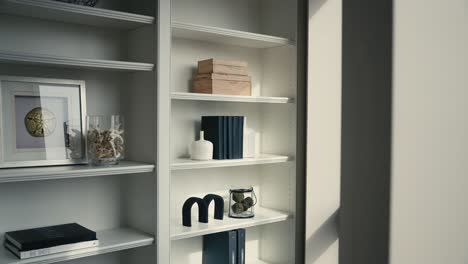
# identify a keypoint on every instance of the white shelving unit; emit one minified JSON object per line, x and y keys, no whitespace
{"x":187,"y":164}
{"x":263,"y":216}
{"x":109,"y":241}
{"x":231,"y":98}
{"x":139,"y":63}
{"x":111,"y":47}
{"x":75,"y":171}
{"x":76,"y":14}
{"x":262,"y":33}
{"x":226,"y":36}
{"x":69,"y":62}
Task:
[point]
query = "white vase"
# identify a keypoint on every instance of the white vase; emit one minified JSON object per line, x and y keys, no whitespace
{"x":201,"y":149}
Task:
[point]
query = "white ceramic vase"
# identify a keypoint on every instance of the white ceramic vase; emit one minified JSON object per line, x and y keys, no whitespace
{"x":201,"y":149}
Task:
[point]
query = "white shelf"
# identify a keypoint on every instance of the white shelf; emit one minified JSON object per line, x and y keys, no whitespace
{"x":226,"y":36}
{"x":230,"y":98}
{"x":187,"y":164}
{"x":256,"y":261}
{"x":263,"y":216}
{"x":109,"y":241}
{"x":51,"y":60}
{"x":76,"y":14}
{"x":72,"y":171}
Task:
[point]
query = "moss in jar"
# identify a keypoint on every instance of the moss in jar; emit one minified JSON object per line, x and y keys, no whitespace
{"x":238,"y":197}
{"x":238,"y":208}
{"x":248,"y":203}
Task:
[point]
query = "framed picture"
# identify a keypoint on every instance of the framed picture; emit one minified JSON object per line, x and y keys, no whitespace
{"x":42,"y":122}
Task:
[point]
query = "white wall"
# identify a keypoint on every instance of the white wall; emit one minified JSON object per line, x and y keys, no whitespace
{"x":324,"y":131}
{"x":430,"y":133}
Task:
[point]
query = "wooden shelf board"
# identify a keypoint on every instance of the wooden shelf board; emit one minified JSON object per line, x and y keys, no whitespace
{"x":230,"y":98}
{"x":226,"y":36}
{"x":76,"y":14}
{"x":186,"y":164}
{"x":72,"y":171}
{"x":51,"y":60}
{"x":263,"y":216}
{"x":109,"y":241}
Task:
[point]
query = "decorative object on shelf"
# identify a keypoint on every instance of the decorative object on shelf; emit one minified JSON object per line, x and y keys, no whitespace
{"x":105,"y":140}
{"x":242,"y":202}
{"x":227,"y":135}
{"x":219,"y":205}
{"x":187,"y":211}
{"x":41,"y":122}
{"x":201,"y":149}
{"x":222,"y":77}
{"x":49,"y":240}
{"x":91,"y":3}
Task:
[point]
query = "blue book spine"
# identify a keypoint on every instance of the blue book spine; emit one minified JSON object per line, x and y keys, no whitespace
{"x":240,"y":144}
{"x":241,"y":246}
{"x":237,"y":137}
{"x":225,"y":138}
{"x":231,"y":124}
{"x":220,"y":248}
{"x":222,"y":137}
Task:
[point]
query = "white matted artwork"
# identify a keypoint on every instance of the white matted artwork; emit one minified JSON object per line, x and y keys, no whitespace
{"x":42,"y":121}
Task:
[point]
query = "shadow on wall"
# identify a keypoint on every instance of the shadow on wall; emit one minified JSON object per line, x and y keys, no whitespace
{"x":322,"y":239}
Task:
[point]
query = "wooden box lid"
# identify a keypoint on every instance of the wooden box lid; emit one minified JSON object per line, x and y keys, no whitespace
{"x":223,"y":62}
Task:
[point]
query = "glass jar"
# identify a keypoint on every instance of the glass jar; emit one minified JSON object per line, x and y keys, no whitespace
{"x":242,"y":202}
{"x":105,"y":139}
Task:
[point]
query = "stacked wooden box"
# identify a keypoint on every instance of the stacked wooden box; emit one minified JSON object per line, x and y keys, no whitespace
{"x":222,"y":77}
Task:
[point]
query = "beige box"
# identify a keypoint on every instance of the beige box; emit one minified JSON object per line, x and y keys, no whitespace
{"x":226,"y":87}
{"x":227,"y":77}
{"x":222,"y":67}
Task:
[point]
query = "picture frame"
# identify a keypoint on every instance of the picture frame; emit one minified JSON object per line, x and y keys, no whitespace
{"x":42,"y":122}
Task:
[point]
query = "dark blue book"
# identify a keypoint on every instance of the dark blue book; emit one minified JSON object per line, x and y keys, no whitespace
{"x":241,"y":246}
{"x":240,"y":145}
{"x":51,"y":236}
{"x":220,"y":248}
{"x":238,"y":137}
{"x":226,"y":137}
{"x":213,"y":127}
{"x":231,"y":135}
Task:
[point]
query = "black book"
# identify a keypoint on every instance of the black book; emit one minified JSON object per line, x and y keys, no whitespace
{"x":213,"y":127}
{"x":239,"y":137}
{"x":232,"y":137}
{"x":241,"y":246}
{"x":220,"y":248}
{"x":51,"y":236}
{"x":225,"y":137}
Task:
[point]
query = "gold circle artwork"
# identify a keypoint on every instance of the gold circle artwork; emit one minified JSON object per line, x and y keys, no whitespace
{"x":40,"y":122}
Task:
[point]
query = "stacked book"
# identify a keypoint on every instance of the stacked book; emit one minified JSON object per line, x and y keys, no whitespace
{"x":227,"y":135}
{"x":49,"y":240}
{"x":222,"y":77}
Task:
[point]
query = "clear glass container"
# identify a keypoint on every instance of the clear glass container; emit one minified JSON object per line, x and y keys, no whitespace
{"x":105,"y":139}
{"x":242,"y":202}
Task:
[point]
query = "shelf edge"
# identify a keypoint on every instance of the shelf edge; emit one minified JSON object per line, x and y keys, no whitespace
{"x":230,"y":98}
{"x":29,"y":58}
{"x":232,"y":33}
